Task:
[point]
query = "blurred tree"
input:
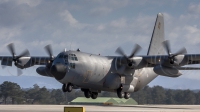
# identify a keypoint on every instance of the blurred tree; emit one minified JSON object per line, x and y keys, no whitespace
{"x":158,"y":95}
{"x":43,"y":96}
{"x":189,"y":97}
{"x":197,"y":95}
{"x":57,"y":96}
{"x":12,"y":90}
{"x":170,"y":96}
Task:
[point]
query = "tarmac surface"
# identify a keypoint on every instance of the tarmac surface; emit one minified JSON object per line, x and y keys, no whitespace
{"x":90,"y":108}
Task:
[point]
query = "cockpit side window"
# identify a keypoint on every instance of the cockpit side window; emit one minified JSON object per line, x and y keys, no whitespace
{"x":60,"y":56}
{"x":73,"y":57}
{"x":66,"y":59}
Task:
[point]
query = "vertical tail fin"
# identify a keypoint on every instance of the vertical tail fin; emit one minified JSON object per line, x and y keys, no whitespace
{"x":155,"y":47}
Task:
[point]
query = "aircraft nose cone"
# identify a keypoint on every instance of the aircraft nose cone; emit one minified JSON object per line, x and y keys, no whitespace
{"x":58,"y":71}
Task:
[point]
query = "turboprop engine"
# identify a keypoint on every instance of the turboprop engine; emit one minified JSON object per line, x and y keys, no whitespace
{"x":166,"y":71}
{"x":126,"y":65}
{"x":55,"y":68}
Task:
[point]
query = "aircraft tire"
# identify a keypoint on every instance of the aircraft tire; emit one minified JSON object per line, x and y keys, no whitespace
{"x":64,"y":88}
{"x":120,"y":94}
{"x":69,"y":87}
{"x":127,"y":95}
{"x":94,"y":95}
{"x":87,"y":93}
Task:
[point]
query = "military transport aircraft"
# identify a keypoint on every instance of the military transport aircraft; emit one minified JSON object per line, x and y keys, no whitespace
{"x":95,"y":73}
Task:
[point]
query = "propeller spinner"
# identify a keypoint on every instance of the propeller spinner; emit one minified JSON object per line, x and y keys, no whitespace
{"x":171,"y":56}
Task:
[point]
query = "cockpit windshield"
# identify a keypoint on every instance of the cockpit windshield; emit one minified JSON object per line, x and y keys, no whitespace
{"x":68,"y":56}
{"x":69,"y":59}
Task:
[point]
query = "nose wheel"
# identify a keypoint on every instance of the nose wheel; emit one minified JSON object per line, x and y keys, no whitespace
{"x":67,"y":88}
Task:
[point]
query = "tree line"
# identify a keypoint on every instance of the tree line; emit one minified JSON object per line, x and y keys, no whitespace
{"x":12,"y":93}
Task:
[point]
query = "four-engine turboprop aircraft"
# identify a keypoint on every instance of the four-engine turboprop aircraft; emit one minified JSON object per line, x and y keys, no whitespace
{"x":121,"y":74}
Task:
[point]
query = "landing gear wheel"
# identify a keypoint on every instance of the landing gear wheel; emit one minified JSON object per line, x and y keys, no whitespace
{"x":87,"y":93}
{"x":94,"y":95}
{"x":127,"y":95}
{"x":120,"y":94}
{"x":69,"y":87}
{"x":64,"y":88}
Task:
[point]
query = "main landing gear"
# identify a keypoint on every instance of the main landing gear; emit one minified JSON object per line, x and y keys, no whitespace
{"x":121,"y":94}
{"x":89,"y":94}
{"x":67,"y":88}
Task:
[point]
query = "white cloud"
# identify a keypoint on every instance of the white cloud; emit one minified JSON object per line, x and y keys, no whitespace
{"x":121,"y":23}
{"x":194,"y":8}
{"x":31,"y":3}
{"x":67,"y":16}
{"x":106,"y":7}
{"x":101,"y":11}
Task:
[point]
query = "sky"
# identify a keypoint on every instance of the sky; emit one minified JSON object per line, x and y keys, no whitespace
{"x":99,"y":27}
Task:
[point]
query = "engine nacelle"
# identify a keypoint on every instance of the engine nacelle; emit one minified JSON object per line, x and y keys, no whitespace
{"x":112,"y":81}
{"x":166,"y":71}
{"x":44,"y":71}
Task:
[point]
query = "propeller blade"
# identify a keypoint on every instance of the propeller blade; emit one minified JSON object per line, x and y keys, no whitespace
{"x":136,"y":49}
{"x":48,"y":49}
{"x":181,"y":51}
{"x":19,"y":72}
{"x":24,"y":53}
{"x":11,"y":49}
{"x":120,"y":52}
{"x":166,"y":46}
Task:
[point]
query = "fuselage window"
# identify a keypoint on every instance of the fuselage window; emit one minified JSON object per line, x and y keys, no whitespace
{"x":75,"y":58}
{"x":66,"y":59}
{"x":72,"y":65}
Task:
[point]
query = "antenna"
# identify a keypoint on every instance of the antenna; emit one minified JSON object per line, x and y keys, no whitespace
{"x":70,"y":45}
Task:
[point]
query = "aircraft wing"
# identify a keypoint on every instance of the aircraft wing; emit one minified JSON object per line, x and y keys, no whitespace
{"x":25,"y":62}
{"x":40,"y":60}
{"x":180,"y":60}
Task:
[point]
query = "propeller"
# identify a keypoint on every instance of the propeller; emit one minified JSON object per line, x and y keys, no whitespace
{"x":171,"y":56}
{"x":135,"y":50}
{"x":16,"y":59}
{"x":49,"y":51}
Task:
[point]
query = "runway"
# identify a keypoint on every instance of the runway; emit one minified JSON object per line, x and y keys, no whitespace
{"x":89,"y":108}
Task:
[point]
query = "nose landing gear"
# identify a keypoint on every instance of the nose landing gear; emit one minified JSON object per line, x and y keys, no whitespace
{"x":67,"y":88}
